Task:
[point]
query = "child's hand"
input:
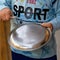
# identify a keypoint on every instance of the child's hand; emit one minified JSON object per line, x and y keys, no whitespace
{"x":5,"y":14}
{"x":47,"y":25}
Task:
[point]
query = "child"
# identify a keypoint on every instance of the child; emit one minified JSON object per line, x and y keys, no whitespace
{"x":46,"y":12}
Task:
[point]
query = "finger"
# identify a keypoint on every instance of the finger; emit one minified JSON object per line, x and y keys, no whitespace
{"x":3,"y":18}
{"x":8,"y":17}
{"x":10,"y":13}
{"x":45,"y":24}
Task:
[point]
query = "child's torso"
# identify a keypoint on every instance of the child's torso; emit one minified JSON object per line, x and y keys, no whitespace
{"x":33,"y":10}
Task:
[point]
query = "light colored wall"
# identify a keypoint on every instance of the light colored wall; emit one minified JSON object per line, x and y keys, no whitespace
{"x":58,"y":43}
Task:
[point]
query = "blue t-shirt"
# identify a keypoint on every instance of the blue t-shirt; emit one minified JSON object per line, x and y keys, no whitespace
{"x":39,"y":11}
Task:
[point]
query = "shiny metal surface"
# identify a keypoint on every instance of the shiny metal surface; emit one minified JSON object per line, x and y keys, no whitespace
{"x":29,"y":37}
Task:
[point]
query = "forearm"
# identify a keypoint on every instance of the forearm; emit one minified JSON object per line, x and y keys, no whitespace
{"x":55,"y":23}
{"x":5,"y":4}
{"x":2,"y":7}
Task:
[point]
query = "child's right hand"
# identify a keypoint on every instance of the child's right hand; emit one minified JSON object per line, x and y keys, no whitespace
{"x":5,"y":14}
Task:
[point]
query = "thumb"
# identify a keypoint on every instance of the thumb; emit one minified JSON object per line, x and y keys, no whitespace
{"x":45,"y":25}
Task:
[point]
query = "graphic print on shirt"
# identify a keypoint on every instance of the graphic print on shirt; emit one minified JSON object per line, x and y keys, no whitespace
{"x":31,"y":10}
{"x":31,"y":1}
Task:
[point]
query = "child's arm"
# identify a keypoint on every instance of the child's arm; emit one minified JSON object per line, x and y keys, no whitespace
{"x":5,"y":4}
{"x":56,"y":21}
{"x":54,"y":24}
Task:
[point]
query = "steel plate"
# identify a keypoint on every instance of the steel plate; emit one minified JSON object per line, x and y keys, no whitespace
{"x":28,"y":37}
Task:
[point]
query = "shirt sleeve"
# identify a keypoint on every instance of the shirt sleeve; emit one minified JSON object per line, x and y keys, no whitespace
{"x":5,"y":4}
{"x":56,"y":21}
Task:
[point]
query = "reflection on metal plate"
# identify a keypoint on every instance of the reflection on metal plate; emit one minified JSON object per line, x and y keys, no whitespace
{"x":29,"y":37}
